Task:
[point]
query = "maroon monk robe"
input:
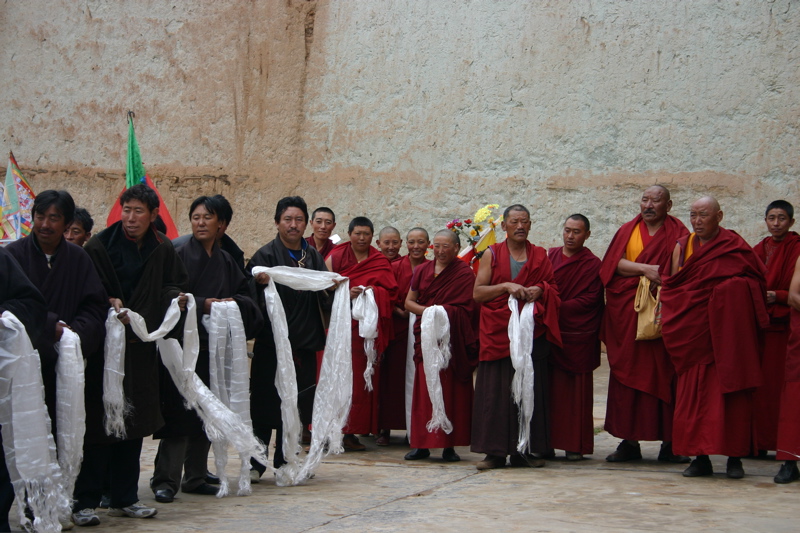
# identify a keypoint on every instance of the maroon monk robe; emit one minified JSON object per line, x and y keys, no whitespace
{"x":640,"y":387}
{"x":712,"y":311}
{"x":373,"y":271}
{"x":392,"y":407}
{"x":329,"y":246}
{"x":452,"y":289}
{"x":495,"y":425}
{"x":780,"y":258}
{"x":789,"y":420}
{"x":571,"y":394}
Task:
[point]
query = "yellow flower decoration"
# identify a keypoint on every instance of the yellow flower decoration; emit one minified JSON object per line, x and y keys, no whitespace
{"x":484,"y":212}
{"x":473,"y":233}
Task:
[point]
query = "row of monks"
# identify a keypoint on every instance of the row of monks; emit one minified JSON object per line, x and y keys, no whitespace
{"x":720,"y":379}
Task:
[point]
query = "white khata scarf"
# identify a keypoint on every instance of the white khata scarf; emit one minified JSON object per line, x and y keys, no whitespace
{"x":229,"y":381}
{"x":365,"y":310}
{"x":520,"y":336}
{"x":435,"y":344}
{"x":30,"y":450}
{"x":219,"y":422}
{"x":335,"y":388}
{"x":70,"y":407}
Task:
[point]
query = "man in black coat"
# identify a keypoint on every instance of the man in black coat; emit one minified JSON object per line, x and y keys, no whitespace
{"x":140,"y":270}
{"x":213,"y":276}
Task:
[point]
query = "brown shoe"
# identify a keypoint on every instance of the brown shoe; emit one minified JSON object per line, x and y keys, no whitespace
{"x":383,"y":438}
{"x":526,"y":461}
{"x":352,"y":444}
{"x":490,"y":462}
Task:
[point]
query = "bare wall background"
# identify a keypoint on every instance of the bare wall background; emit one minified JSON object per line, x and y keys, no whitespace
{"x":410,"y":112}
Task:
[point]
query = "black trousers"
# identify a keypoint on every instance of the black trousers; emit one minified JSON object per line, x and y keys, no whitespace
{"x":189,"y":454}
{"x":121,"y":461}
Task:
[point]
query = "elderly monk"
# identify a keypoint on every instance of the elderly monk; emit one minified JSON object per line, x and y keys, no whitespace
{"x":389,"y":242}
{"x":520,"y":269}
{"x":448,"y":282}
{"x":577,"y":273}
{"x":323,"y":222}
{"x":713,"y":306}
{"x":368,"y":268}
{"x":789,"y":420}
{"x":641,"y":384}
{"x":779,"y":253}
{"x":391,"y":402}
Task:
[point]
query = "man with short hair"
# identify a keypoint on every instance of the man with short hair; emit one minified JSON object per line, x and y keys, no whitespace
{"x":140,"y":270}
{"x":713,"y":306}
{"x":66,"y":277}
{"x":520,"y":269}
{"x":642,"y":380}
{"x":213,"y":276}
{"x":779,"y":253}
{"x":306,"y":329}
{"x":366,"y":267}
{"x":80,"y":230}
{"x":389,"y":242}
{"x":577,"y":273}
{"x":21,"y":298}
{"x":224,"y":240}
{"x":323,"y":222}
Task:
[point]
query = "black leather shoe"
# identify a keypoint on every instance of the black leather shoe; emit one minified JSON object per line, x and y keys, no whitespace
{"x":787,"y":473}
{"x":418,"y":453}
{"x":449,"y":455}
{"x":734,"y":469}
{"x":625,"y":452}
{"x":165,"y":496}
{"x":211,"y":479}
{"x":699,"y":467}
{"x":203,"y":488}
{"x":665,"y":455}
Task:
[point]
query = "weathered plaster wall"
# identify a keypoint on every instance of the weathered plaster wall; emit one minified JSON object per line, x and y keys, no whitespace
{"x":411,"y":112}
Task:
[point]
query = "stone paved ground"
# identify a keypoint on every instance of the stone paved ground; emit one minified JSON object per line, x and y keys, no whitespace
{"x":378,"y":491}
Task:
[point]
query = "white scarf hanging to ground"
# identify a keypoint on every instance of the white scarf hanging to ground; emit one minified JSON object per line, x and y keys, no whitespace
{"x":30,"y":450}
{"x":70,"y":407}
{"x":365,"y":310}
{"x":335,"y":387}
{"x":219,"y":422}
{"x":410,"y":371}
{"x":520,"y":336}
{"x":229,"y":381}
{"x":435,"y":344}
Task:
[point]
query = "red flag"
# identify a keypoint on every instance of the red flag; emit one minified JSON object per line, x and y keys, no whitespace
{"x":116,"y":211}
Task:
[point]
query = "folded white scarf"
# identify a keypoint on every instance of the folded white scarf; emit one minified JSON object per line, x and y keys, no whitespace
{"x":70,"y":407}
{"x":520,"y":336}
{"x":365,"y":310}
{"x":435,"y":344}
{"x":30,"y":450}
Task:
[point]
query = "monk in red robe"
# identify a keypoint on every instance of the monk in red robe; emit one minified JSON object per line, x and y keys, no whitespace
{"x":323,"y":222}
{"x":520,"y":269}
{"x":779,"y":253}
{"x":713,"y":307}
{"x":641,"y":384}
{"x":577,"y":273}
{"x":367,"y":267}
{"x":389,"y":243}
{"x":446,"y":282}
{"x":391,"y":405}
{"x":789,"y":420}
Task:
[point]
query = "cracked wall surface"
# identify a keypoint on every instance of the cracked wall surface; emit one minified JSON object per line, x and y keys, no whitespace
{"x":410,"y":112}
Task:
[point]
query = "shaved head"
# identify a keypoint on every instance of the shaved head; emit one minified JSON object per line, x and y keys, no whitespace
{"x":664,"y":191}
{"x":388,"y":230}
{"x":452,"y":235}
{"x":707,"y":201}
